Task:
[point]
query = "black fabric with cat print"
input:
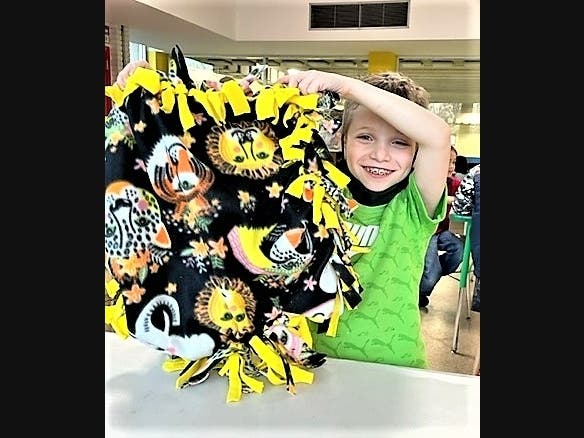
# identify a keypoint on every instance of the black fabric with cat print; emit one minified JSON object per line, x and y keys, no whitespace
{"x":207,"y":244}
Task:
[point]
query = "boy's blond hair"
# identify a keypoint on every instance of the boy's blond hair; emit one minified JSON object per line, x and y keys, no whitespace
{"x":394,"y":82}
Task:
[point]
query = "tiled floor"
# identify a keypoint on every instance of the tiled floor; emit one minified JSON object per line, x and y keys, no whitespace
{"x":438,"y":330}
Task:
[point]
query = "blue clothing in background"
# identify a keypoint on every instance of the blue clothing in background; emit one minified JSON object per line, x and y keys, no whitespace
{"x":444,"y":252}
{"x":438,"y":262}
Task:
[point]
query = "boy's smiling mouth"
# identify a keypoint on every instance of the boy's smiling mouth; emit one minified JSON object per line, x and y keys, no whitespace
{"x":377,"y":171}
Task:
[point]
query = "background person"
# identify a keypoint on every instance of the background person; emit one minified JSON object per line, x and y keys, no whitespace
{"x":467,"y":201}
{"x":460,"y":167}
{"x":445,"y":249}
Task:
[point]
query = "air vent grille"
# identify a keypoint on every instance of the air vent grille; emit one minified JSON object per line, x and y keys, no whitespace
{"x":359,"y":15}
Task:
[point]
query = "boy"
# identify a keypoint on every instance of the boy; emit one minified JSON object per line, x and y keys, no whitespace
{"x":386,"y":126}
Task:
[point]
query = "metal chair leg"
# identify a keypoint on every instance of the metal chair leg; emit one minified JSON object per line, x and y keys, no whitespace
{"x":469,"y":291}
{"x":464,"y":281}
{"x":476,"y":368}
{"x":461,"y":293}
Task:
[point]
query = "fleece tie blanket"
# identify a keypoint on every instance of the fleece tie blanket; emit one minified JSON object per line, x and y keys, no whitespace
{"x":223,"y":230}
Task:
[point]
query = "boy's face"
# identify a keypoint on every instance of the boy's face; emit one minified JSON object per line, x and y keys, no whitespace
{"x":377,"y":154}
{"x":452,"y":162}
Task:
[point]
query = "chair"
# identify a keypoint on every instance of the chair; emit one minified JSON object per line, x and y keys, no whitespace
{"x":464,"y":281}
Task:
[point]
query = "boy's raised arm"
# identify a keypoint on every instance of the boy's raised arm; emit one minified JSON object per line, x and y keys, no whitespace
{"x":429,"y":131}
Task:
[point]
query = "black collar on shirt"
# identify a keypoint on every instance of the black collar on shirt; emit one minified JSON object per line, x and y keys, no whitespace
{"x":367,"y":197}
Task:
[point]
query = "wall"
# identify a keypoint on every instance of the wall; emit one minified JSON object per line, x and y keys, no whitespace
{"x":288,"y":20}
{"x":468,"y":140}
{"x":219,"y":16}
{"x":119,"y":47}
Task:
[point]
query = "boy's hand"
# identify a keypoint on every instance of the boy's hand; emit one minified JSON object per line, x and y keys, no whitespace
{"x":127,"y":71}
{"x":314,"y":81}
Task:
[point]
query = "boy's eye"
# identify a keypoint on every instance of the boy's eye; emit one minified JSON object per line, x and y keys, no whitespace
{"x":364,"y":137}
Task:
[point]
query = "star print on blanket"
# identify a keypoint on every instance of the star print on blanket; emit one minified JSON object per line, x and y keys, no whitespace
{"x":223,"y":230}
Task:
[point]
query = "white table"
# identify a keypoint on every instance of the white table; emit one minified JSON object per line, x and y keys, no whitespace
{"x":346,"y":399}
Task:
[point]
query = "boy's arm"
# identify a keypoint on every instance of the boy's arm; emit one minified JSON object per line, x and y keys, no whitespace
{"x":430,"y":132}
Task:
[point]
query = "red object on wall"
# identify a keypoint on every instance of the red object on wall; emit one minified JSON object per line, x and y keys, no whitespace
{"x":108,"y":78}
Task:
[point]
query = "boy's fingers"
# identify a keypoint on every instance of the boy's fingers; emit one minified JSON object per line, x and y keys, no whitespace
{"x":292,"y":82}
{"x":125,"y":73}
{"x":122,"y":79}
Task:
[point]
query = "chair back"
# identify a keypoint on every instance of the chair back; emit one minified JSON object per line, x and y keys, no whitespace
{"x":466,"y":252}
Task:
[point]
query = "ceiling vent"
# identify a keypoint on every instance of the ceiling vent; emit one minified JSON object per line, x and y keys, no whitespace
{"x":359,"y":15}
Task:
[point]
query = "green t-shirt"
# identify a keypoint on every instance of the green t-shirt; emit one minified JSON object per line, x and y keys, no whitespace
{"x":385,"y":326}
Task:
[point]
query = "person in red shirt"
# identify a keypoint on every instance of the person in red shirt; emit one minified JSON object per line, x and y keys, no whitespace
{"x":444,"y":252}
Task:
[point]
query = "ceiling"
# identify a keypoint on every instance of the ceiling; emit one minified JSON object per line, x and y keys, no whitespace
{"x":448,"y":69}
